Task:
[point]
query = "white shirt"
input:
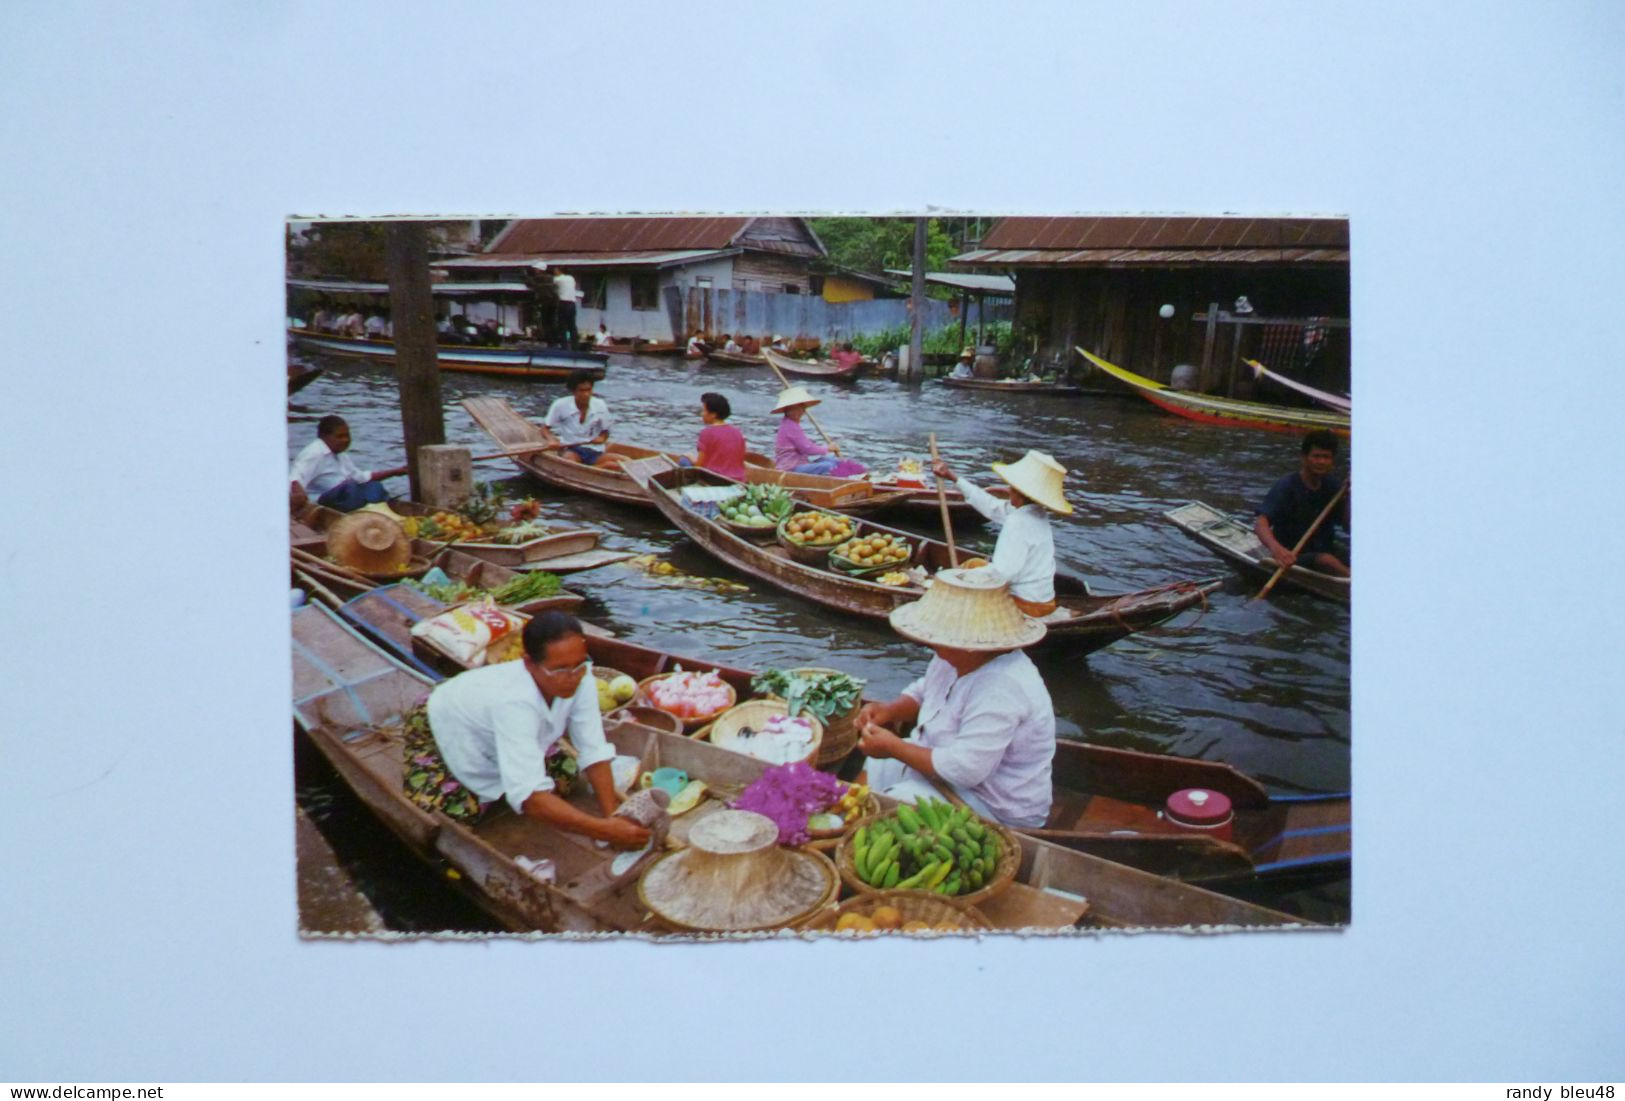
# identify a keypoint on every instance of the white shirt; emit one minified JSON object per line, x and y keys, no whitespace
{"x":375,"y":326}
{"x":564,"y":286}
{"x":1025,"y":552}
{"x":319,"y":470}
{"x":694,"y":343}
{"x":494,"y":729}
{"x":602,"y":337}
{"x":564,"y":420}
{"x":731,"y":346}
{"x":991,"y":734}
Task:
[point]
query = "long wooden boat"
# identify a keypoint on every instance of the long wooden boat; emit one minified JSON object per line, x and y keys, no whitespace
{"x":813,"y":368}
{"x":1330,"y":401}
{"x":1235,"y":540}
{"x":347,"y":692}
{"x":1229,"y":412}
{"x":1107,"y":801}
{"x":301,"y":377}
{"x":1012,"y":386}
{"x":735,"y":359}
{"x":504,"y":424}
{"x":1084,"y":621}
{"x":636,"y":346}
{"x":509,"y":361}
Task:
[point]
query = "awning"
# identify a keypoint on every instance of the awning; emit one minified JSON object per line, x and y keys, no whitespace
{"x":545,"y":261}
{"x":1116,"y":257}
{"x":445,"y":290}
{"x":976,"y":284}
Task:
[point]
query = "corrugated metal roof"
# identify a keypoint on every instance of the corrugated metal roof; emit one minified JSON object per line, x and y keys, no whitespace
{"x":986,"y":284}
{"x":448,"y":288}
{"x":1117,"y":257}
{"x":595,"y":235}
{"x":1077,"y":234}
{"x":639,"y":259}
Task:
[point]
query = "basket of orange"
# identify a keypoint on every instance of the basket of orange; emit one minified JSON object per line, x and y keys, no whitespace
{"x":808,"y":535}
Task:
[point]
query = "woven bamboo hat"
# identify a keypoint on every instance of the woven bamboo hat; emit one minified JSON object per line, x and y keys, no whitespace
{"x":368,"y":542}
{"x":795,"y":395}
{"x":1038,"y":477}
{"x":968,"y":353}
{"x":735,"y":877}
{"x":967,"y":610}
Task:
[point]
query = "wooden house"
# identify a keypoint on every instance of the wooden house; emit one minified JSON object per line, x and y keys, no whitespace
{"x":1274,"y":289}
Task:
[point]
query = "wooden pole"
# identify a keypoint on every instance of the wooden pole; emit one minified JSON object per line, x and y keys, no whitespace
{"x":942,"y":502}
{"x":964,"y":316}
{"x":1207,"y":345}
{"x":916,"y":302}
{"x":417,"y":366}
{"x":834,"y":449}
{"x":1325,"y":512}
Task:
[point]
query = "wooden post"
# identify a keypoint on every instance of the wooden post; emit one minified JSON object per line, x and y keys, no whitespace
{"x":1235,"y":360}
{"x":1207,"y":346}
{"x":417,"y":367}
{"x":964,"y":316}
{"x":916,"y":334}
{"x":445,"y":475}
{"x":981,"y":318}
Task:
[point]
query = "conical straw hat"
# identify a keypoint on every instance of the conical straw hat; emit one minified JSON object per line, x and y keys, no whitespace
{"x":368,"y":542}
{"x":795,"y":395}
{"x":1038,"y":477}
{"x":967,"y":610}
{"x":735,"y":877}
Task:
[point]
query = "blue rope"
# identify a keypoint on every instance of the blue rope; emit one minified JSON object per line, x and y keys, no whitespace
{"x":335,"y":678}
{"x":404,"y":653}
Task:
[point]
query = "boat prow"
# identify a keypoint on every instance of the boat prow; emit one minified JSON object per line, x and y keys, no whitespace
{"x":1232,"y":539}
{"x":1228,"y":412}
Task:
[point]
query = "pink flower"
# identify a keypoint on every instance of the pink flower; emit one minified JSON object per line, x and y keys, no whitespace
{"x":449,"y":786}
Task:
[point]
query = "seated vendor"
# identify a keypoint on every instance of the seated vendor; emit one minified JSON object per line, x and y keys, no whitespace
{"x":579,"y":421}
{"x":1025,"y":552}
{"x":323,"y":471}
{"x":487,"y":734}
{"x":846,"y":356}
{"x":728,"y":343}
{"x":984,"y":724}
{"x":962,"y":369}
{"x":1293,"y":503}
{"x":749,"y":346}
{"x":722,"y":446}
{"x":793,"y":449}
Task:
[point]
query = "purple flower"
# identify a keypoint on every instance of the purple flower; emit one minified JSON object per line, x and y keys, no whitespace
{"x":423,"y":759}
{"x":449,"y":786}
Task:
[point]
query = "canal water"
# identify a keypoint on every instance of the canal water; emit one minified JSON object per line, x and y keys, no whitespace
{"x":1262,"y":685}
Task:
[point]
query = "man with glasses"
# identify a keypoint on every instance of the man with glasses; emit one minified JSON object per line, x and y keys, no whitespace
{"x":487,"y":734}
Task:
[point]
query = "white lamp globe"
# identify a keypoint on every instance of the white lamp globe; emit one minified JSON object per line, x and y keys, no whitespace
{"x":1167,"y":311}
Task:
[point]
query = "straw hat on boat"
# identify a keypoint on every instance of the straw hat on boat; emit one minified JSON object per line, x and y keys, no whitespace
{"x":735,"y":877}
{"x":967,"y":610}
{"x":792,"y":397}
{"x":1038,"y":477}
{"x":968,"y":353}
{"x":368,"y":542}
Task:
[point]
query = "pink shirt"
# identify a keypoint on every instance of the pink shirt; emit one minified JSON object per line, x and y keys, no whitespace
{"x":844,"y":358}
{"x":722,"y":449}
{"x":791,"y":447}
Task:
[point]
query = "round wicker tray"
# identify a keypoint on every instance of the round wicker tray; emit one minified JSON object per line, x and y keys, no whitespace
{"x":1003,"y":875}
{"x":840,"y":732}
{"x":811,"y":554}
{"x":642,"y":699}
{"x":944,"y":915}
{"x":725,"y":729}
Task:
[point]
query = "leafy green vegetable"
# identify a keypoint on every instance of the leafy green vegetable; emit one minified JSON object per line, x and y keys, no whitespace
{"x":823,"y":695}
{"x":452,"y":592}
{"x":526,"y":587}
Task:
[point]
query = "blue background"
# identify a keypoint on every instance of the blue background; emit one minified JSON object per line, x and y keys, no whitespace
{"x":147,"y":894}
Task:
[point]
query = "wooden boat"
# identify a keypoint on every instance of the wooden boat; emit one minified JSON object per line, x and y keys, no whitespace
{"x":503,"y":423}
{"x":735,"y":359}
{"x":813,"y":368}
{"x":636,"y":346}
{"x":1229,"y":412}
{"x":1235,"y":540}
{"x":1084,"y":621}
{"x":1107,"y":801}
{"x":301,"y":377}
{"x":1330,"y":401}
{"x":1012,"y":386}
{"x":347,"y":692}
{"x":509,"y":361}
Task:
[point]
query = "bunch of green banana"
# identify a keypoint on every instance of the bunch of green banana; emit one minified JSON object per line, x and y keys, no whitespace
{"x":932,"y":846}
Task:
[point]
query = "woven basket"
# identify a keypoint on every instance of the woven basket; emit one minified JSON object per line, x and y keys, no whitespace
{"x":944,"y":915}
{"x":648,"y":716}
{"x":811,"y":554}
{"x":415,"y":567}
{"x":840,"y":732}
{"x":642,"y":699}
{"x":1002,"y":877}
{"x":756,"y":534}
{"x":725,"y":729}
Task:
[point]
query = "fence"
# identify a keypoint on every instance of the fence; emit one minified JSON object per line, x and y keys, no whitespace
{"x":1312,"y":350}
{"x":714,"y":311}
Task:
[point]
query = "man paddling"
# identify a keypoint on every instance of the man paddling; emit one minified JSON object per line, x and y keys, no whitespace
{"x":1292,"y":504}
{"x":984,"y":722}
{"x":1025,"y":552}
{"x":325,"y":471}
{"x":578,"y":422}
{"x":487,"y":734}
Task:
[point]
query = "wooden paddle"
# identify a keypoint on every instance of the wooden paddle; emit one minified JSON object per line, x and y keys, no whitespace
{"x":833,"y":447}
{"x":942,"y":501}
{"x":529,"y":449}
{"x":1325,"y":512}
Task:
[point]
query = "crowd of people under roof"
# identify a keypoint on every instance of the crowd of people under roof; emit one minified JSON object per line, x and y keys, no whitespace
{"x":983,"y":725}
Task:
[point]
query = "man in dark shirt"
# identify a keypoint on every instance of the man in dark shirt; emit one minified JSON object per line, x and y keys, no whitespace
{"x":1294,"y":502}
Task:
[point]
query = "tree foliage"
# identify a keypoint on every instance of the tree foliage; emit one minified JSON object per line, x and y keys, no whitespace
{"x":355,"y":250}
{"x":874,"y":244}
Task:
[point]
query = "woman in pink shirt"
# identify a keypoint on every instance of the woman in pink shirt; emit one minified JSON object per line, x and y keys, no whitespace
{"x":722,"y":446}
{"x":794,"y":451}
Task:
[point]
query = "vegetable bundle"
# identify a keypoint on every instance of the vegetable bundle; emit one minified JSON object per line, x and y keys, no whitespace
{"x":824,"y":695}
{"x":931,"y":846}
